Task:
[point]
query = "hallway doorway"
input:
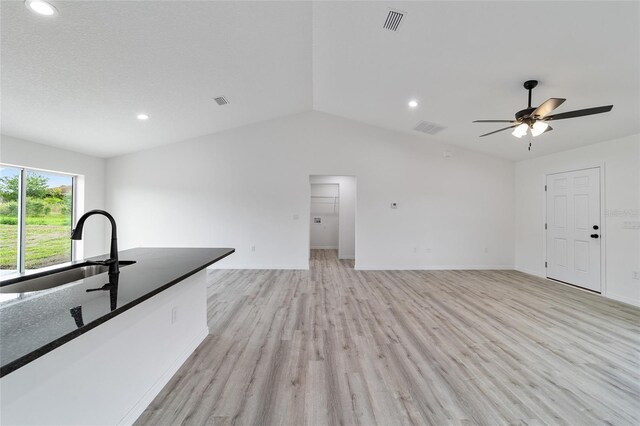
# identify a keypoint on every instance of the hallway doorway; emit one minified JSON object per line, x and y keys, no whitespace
{"x":332,"y":219}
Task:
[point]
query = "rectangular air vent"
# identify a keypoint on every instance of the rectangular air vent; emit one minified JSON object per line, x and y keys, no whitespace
{"x":428,"y":128}
{"x":394,"y":19}
{"x":221,"y":100}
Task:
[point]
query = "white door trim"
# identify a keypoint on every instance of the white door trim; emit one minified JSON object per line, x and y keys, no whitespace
{"x":603,"y":222}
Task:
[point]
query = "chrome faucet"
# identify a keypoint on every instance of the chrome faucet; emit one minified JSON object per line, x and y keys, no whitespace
{"x":112,"y":262}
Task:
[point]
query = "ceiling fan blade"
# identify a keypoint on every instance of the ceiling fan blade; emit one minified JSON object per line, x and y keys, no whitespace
{"x":546,"y":107}
{"x":494,"y":121}
{"x":579,"y":113}
{"x":500,"y":130}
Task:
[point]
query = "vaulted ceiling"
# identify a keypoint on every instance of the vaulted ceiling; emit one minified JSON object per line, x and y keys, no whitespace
{"x":77,"y":81}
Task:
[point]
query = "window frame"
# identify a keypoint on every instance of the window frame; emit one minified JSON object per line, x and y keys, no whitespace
{"x":22,"y":214}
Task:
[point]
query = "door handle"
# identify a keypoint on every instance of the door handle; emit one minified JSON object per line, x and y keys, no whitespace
{"x":595,"y":235}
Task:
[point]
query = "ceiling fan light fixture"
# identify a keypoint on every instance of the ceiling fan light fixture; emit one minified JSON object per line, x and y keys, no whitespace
{"x":538,"y":128}
{"x":520,"y":131}
{"x":535,"y":118}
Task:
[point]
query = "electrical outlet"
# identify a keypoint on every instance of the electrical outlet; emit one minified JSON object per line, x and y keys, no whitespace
{"x":296,"y":216}
{"x":253,"y":248}
{"x":635,"y":275}
{"x":415,"y":249}
{"x":174,"y":315}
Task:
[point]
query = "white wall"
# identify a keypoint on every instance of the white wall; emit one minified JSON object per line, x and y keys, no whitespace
{"x":90,"y":185}
{"x":620,"y":160}
{"x":325,"y":235}
{"x":347,"y":226}
{"x":245,"y":187}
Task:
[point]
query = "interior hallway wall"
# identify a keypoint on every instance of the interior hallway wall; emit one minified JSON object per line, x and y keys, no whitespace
{"x":325,"y":206}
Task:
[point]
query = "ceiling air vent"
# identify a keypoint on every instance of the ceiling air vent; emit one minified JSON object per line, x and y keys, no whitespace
{"x":221,"y":100}
{"x":428,"y":128}
{"x":394,"y":19}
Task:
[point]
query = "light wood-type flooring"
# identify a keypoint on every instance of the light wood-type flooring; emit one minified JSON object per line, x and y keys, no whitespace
{"x":338,"y":346}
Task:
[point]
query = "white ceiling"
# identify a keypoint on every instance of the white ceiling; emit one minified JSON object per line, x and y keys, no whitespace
{"x":77,"y":81}
{"x":468,"y":60}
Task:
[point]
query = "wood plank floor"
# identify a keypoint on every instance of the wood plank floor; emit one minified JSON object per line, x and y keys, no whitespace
{"x":338,"y":346}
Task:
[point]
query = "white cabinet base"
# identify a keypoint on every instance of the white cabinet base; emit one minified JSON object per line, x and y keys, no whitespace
{"x":110,"y":374}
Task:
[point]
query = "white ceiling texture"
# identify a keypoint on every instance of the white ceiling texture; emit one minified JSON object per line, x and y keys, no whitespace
{"x":78,"y":80}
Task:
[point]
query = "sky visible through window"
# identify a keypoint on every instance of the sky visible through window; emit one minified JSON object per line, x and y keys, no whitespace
{"x":54,"y":181}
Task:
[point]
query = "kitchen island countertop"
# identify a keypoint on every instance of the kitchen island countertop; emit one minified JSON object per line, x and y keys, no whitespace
{"x":33,"y":324}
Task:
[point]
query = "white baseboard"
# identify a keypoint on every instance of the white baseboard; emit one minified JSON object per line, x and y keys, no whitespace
{"x":623,"y":299}
{"x":297,"y":267}
{"x":324,"y":247}
{"x":530,"y":272}
{"x":608,"y":295}
{"x":149,"y":396}
{"x":347,"y":257}
{"x":434,"y":268}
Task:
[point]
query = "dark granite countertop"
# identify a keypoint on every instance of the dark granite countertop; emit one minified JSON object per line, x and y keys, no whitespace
{"x":34,"y":323}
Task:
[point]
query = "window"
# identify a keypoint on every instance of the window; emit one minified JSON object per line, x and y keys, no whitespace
{"x":36,"y":216}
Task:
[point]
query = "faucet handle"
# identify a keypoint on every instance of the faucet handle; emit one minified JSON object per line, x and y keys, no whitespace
{"x":107,"y":286}
{"x":105,"y":262}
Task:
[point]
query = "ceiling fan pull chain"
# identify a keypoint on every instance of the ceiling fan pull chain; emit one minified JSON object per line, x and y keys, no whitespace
{"x":529,"y":146}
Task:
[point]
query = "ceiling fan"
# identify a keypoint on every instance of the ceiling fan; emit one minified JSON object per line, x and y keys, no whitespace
{"x":534,"y":120}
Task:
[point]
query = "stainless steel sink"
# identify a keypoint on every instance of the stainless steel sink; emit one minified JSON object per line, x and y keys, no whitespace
{"x":55,"y":278}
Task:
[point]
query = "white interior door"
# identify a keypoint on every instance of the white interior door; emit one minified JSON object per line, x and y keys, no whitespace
{"x":573,"y":228}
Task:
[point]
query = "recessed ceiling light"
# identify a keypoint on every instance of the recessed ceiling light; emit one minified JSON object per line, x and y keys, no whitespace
{"x":142,"y":117}
{"x":413,"y":103}
{"x":41,"y":7}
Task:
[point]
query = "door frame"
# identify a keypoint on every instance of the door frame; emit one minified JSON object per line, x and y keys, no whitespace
{"x":603,"y":224}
